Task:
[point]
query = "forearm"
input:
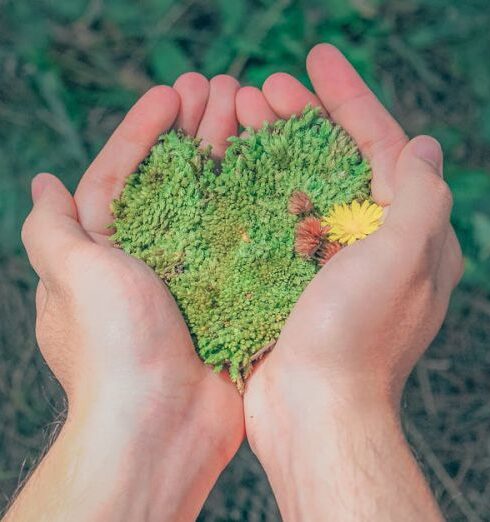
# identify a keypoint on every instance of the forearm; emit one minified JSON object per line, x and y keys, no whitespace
{"x":343,"y":461}
{"x":109,"y":466}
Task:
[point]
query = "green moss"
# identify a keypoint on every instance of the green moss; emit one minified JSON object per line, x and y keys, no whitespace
{"x":224,"y":242}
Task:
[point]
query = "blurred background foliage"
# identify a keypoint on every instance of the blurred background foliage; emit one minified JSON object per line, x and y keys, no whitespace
{"x":70,"y":70}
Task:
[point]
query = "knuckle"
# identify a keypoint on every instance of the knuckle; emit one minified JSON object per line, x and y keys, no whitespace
{"x":27,"y":228}
{"x":441,"y":191}
{"x":418,"y":254}
{"x":459,"y":264}
{"x":460,"y":272}
{"x":426,"y":255}
{"x":425,"y":291}
{"x":420,"y":278}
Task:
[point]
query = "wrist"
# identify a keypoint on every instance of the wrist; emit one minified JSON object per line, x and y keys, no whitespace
{"x":298,"y":400}
{"x":319,"y":441}
{"x":157,"y":448}
{"x":168,"y":471}
{"x":287,"y":396}
{"x":297,"y":427}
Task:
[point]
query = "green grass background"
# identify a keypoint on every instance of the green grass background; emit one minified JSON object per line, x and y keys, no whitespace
{"x":70,"y":70}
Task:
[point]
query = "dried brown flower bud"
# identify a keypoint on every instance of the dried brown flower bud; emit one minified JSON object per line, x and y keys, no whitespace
{"x":327,"y":251}
{"x":309,"y":236}
{"x":299,"y":203}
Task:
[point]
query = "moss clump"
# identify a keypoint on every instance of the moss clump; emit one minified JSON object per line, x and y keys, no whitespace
{"x":224,"y":241}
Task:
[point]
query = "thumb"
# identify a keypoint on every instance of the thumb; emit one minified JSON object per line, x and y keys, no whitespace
{"x":52,"y":228}
{"x":422,"y":201}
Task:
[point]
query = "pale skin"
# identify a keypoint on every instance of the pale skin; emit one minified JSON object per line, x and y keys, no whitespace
{"x":322,"y":411}
{"x":150,"y":428}
{"x":146,"y":436}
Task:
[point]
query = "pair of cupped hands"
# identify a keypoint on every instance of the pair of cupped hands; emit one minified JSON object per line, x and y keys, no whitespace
{"x":114,"y":337}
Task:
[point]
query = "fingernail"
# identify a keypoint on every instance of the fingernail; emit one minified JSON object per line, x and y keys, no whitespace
{"x":428,"y":149}
{"x":38,"y":185}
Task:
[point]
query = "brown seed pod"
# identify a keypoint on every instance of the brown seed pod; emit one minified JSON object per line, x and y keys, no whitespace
{"x":309,"y":236}
{"x":299,"y":203}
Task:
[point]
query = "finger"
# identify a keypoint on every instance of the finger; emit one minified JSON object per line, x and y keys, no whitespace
{"x":153,"y":114}
{"x":451,"y":266}
{"x":219,"y":121}
{"x":52,"y":228}
{"x":351,"y":104}
{"x":193,"y":89}
{"x":422,"y":202}
{"x":41,"y":299}
{"x":252,"y":108}
{"x":287,"y":96}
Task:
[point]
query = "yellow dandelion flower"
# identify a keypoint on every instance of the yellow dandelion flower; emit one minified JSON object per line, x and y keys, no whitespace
{"x":348,"y":223}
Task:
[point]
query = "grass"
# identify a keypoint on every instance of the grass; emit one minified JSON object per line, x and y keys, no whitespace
{"x":70,"y":70}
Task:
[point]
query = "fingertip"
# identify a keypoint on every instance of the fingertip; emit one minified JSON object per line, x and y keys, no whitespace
{"x":219,"y":121}
{"x":248,"y":93}
{"x":275,"y":81}
{"x":162,"y":93}
{"x":50,"y":194}
{"x":428,"y":149}
{"x":155,"y":112}
{"x":422,"y":199}
{"x":157,"y":108}
{"x":288,"y":96}
{"x":191,"y":80}
{"x":193,"y":89}
{"x":333,"y":77}
{"x":351,"y":104}
{"x":252,"y":108}
{"x":40,"y":182}
{"x":322,"y":51}
{"x":225,"y":81}
{"x":421,"y":159}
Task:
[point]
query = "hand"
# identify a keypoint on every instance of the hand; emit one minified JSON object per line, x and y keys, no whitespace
{"x":333,"y":382}
{"x":113,"y":336}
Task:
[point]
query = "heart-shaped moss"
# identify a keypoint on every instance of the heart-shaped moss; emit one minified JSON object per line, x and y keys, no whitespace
{"x":224,"y":240}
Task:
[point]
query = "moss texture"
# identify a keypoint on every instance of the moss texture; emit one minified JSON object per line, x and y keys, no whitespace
{"x":223,"y":241}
